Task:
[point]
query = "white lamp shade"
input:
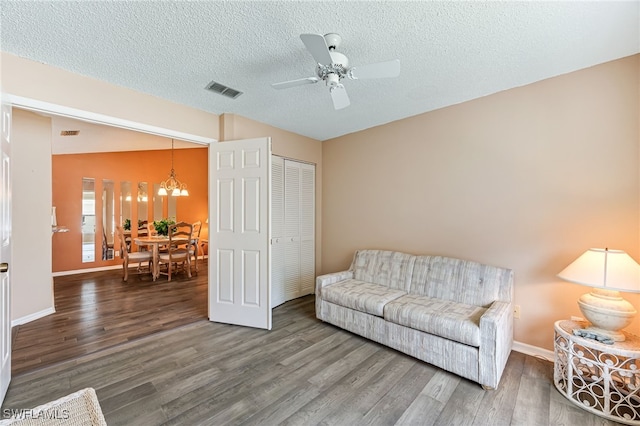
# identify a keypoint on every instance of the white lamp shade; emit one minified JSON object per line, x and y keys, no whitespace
{"x":175,"y":192}
{"x":609,"y":269}
{"x":162,"y":192}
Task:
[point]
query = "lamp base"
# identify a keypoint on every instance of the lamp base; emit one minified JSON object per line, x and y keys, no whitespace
{"x":608,"y":312}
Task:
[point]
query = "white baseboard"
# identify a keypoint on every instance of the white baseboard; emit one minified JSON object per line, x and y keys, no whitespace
{"x":101,"y":268}
{"x":33,"y":317}
{"x":84,"y":271}
{"x":532,"y":350}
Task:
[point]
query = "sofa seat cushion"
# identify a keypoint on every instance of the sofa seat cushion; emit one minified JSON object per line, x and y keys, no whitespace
{"x":444,"y":318}
{"x":361,"y":296}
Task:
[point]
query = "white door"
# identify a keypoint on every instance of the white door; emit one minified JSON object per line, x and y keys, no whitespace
{"x":5,"y":252}
{"x":239,"y":256}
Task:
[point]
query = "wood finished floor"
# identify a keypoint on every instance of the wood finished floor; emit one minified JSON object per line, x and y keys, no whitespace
{"x":303,"y":372}
{"x":98,"y":310}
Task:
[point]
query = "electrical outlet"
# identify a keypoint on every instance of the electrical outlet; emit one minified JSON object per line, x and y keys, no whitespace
{"x":516,"y":312}
{"x":117,"y":253}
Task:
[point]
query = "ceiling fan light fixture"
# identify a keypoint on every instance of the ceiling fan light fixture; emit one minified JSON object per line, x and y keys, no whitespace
{"x":333,"y":40}
{"x":332,"y":67}
{"x":333,"y":80}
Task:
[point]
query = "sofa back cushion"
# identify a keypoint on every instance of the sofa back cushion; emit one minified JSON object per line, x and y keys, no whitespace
{"x":388,"y":268}
{"x":461,"y":281}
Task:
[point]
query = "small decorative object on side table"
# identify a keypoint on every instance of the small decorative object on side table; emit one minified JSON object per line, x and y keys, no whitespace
{"x":603,"y":379}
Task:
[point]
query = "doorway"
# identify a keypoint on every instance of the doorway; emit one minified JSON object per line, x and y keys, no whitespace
{"x":45,"y":180}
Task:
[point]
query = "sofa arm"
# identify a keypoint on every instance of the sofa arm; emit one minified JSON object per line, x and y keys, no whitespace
{"x":496,"y":339}
{"x":328,"y":279}
{"x":324,"y":281}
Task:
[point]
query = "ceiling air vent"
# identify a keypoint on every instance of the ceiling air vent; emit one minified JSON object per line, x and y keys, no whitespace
{"x":69,"y":132}
{"x":223,"y":90}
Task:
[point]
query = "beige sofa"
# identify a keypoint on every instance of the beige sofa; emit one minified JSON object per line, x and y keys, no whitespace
{"x":452,"y":313}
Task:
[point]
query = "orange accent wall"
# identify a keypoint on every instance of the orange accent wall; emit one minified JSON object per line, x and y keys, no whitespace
{"x":191,"y":166}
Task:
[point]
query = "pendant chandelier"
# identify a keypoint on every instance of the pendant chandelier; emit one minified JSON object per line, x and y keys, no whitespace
{"x":172,"y":185}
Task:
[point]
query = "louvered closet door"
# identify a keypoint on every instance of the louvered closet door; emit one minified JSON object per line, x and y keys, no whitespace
{"x":291,"y":229}
{"x":277,"y":231}
{"x":307,"y":228}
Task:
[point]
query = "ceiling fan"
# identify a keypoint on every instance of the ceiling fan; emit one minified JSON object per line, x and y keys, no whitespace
{"x":334,"y":66}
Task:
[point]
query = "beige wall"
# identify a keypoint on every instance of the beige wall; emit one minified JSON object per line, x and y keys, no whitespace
{"x":285,"y":144}
{"x":527,"y":179}
{"x":29,"y":79}
{"x":25,"y":78}
{"x":31,"y":284}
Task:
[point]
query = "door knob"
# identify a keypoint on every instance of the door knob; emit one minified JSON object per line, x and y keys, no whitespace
{"x":4,"y":267}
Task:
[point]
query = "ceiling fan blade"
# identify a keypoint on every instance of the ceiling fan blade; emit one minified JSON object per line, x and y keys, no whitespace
{"x":339,"y":97}
{"x":317,"y":46}
{"x":386,"y":69}
{"x":294,"y":83}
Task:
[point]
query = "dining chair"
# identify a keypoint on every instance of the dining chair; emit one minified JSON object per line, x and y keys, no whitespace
{"x":127,"y":238}
{"x":106,"y":246}
{"x":178,"y":249}
{"x":143,"y":228}
{"x":138,"y":257}
{"x":195,"y":242}
{"x":203,"y":244}
{"x":151,"y":230}
{"x":143,"y":231}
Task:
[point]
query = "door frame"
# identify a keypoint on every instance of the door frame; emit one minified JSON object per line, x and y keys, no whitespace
{"x":107,"y":120}
{"x":39,"y":106}
{"x":5,"y":251}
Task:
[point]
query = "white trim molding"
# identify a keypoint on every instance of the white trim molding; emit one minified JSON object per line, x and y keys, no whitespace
{"x":83,"y":271}
{"x":92,"y":117}
{"x":533,"y":351}
{"x":98,"y":269}
{"x":32,"y":317}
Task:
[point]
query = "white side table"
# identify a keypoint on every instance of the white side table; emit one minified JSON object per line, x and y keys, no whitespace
{"x":602,"y":379}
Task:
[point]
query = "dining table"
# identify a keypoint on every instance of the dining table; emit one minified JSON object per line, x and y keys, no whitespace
{"x":155,"y":241}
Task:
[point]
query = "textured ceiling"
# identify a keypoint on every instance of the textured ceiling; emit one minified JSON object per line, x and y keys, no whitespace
{"x":450,"y":52}
{"x":101,"y":138}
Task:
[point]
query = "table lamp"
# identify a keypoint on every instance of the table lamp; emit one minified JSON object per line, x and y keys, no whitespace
{"x":609,"y":272}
